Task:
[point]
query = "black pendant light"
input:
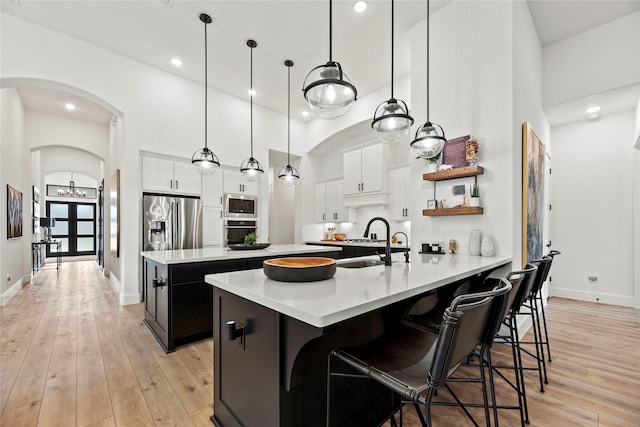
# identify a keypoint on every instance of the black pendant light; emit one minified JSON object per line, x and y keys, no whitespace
{"x":327,"y":89}
{"x":204,"y":159}
{"x":429,"y":139}
{"x":288,"y":174}
{"x":391,"y":120}
{"x":251,"y":168}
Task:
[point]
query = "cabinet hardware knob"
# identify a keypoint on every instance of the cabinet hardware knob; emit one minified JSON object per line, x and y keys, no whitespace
{"x":158,"y":282}
{"x":176,"y":184}
{"x":171,"y":183}
{"x":234,"y":331}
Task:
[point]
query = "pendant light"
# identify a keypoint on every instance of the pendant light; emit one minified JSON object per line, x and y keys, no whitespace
{"x":288,"y":174}
{"x":327,"y":89}
{"x":391,"y":120}
{"x":204,"y":160}
{"x":251,"y":168}
{"x":429,"y":139}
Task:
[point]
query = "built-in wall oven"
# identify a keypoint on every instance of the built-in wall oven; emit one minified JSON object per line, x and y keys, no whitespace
{"x":236,"y":229}
{"x":240,"y":206}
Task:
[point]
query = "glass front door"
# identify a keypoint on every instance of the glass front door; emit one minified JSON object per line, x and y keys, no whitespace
{"x":75,"y":228}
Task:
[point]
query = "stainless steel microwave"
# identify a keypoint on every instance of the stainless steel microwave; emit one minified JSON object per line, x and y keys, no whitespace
{"x":240,"y":206}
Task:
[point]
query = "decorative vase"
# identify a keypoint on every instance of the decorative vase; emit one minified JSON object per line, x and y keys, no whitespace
{"x":432,"y":167}
{"x":487,"y":248}
{"x":475,"y":240}
{"x":474,"y":201}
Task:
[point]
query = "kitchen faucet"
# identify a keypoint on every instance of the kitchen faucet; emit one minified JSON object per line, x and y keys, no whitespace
{"x":387,"y":249}
{"x":406,"y":249}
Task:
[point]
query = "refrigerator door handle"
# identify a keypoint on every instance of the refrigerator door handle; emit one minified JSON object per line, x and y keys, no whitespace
{"x":177,"y":227}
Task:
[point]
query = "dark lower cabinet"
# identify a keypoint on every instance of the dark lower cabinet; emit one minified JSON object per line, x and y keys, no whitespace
{"x":156,"y":304}
{"x":247,"y":392}
{"x":179,"y":303}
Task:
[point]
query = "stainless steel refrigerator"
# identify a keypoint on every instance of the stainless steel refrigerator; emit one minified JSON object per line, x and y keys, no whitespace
{"x":171,"y":222}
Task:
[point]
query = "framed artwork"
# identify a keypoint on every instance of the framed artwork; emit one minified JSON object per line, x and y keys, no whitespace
{"x":14,"y":213}
{"x":532,"y":194}
{"x":454,"y":152}
{"x":115,"y":213}
{"x":36,"y":194}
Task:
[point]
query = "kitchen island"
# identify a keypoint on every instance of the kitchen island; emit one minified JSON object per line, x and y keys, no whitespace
{"x":270,"y":362}
{"x":177,"y":300}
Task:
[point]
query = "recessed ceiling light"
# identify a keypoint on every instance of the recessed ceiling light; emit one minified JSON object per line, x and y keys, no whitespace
{"x":593,"y":109}
{"x":177,"y":62}
{"x":252,"y":92}
{"x":360,"y":6}
{"x":305,"y":113}
{"x":69,"y":106}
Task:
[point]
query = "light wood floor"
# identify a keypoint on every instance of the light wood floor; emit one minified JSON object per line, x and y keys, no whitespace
{"x":70,"y":355}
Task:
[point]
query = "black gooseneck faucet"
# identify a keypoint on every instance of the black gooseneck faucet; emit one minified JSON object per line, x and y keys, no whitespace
{"x":406,"y":239}
{"x":387,"y":249}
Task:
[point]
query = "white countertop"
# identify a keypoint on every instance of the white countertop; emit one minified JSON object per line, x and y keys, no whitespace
{"x":341,"y":243}
{"x":217,"y":254}
{"x":353,"y":291}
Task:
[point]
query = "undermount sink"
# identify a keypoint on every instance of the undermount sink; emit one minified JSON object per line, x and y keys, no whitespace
{"x":361,"y":263}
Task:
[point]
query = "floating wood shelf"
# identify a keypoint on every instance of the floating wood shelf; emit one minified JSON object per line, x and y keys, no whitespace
{"x":453,"y":173}
{"x":453,"y":211}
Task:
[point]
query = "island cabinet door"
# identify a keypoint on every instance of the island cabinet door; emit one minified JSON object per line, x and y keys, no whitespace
{"x":156,"y":303}
{"x":247,"y":375}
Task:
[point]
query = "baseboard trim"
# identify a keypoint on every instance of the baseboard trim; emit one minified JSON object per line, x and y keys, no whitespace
{"x":626,"y":301}
{"x":129,"y":299}
{"x":6,"y":296}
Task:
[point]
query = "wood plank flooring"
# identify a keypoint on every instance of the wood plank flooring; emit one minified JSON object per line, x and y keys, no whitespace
{"x":70,"y":355}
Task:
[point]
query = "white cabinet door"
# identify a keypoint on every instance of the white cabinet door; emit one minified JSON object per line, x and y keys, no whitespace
{"x":372,"y":169}
{"x":157,"y":175}
{"x":212,"y":230}
{"x":235,"y":182}
{"x":399,"y":203}
{"x":319,"y":214}
{"x":335,"y":210}
{"x":352,"y":168}
{"x":212,"y":189}
{"x":187,"y":179}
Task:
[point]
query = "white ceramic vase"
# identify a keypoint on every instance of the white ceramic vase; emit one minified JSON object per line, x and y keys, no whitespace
{"x":475,"y":240}
{"x":474,"y":201}
{"x":487,"y":248}
{"x":432,"y":167}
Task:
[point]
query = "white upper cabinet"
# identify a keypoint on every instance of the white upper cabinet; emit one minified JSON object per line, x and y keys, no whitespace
{"x":235,"y":182}
{"x":335,"y":202}
{"x":399,"y":185}
{"x":169,"y":176}
{"x":329,"y":202}
{"x":212,"y":190}
{"x":364,"y":170}
{"x":365,"y":175}
{"x":320,"y":206}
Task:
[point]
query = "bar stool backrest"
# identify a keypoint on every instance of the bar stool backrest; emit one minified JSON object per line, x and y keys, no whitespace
{"x":541,"y":275}
{"x":465,"y":326}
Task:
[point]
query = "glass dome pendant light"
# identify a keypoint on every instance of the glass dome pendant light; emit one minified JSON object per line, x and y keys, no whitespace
{"x":288,"y":174}
{"x":391,"y":120}
{"x":251,"y":167}
{"x":327,"y":89}
{"x":430,"y":138}
{"x":204,"y":160}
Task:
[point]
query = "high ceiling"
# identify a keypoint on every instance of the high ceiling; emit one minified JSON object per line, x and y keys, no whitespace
{"x":154,"y":31}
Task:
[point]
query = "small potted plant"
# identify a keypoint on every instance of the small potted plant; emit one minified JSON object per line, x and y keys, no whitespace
{"x":250,"y":239}
{"x":474,"y":195}
{"x":432,"y":162}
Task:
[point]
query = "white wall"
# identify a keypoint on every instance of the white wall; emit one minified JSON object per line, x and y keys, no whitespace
{"x":595,"y":61}
{"x":468,"y":97}
{"x":527,"y":105}
{"x":15,"y":254}
{"x":168,"y":121}
{"x":592,"y":209}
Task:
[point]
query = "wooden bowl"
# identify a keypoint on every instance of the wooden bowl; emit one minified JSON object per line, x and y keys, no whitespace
{"x":299,"y":269}
{"x":339,"y":236}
